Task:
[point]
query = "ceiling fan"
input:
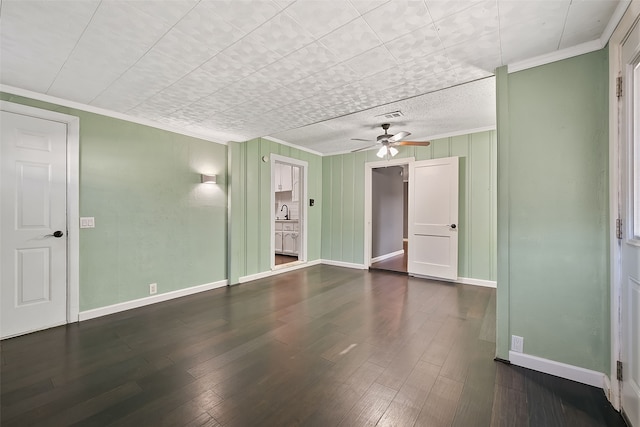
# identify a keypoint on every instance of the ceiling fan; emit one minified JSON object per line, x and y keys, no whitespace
{"x":389,"y":142}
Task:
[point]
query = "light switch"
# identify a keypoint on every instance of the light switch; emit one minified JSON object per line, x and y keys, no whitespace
{"x":87,"y":222}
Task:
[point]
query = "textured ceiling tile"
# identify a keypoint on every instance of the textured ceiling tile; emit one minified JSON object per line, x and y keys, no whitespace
{"x":170,"y":11}
{"x":484,"y":53}
{"x":36,"y":38}
{"x":421,"y":42}
{"x":585,"y":21}
{"x":372,"y":61}
{"x":246,"y":15}
{"x":531,"y":18}
{"x":250,"y":54}
{"x":364,"y":6}
{"x":468,"y":24}
{"x":282,"y":34}
{"x":351,"y":40}
{"x":320,"y":17}
{"x":205,"y":25}
{"x":322,"y":81}
{"x":439,"y":9}
{"x":397,"y":18}
{"x":184,"y":48}
{"x":118,"y":35}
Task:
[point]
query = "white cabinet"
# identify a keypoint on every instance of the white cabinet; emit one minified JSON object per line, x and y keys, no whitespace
{"x":278,"y":241}
{"x":283,"y":177}
{"x":288,"y":244}
{"x":287,"y":236}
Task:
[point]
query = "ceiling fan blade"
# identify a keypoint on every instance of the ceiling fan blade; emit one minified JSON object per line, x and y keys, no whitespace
{"x":418,"y":143}
{"x":398,"y":136}
{"x":363,"y":148}
{"x":360,"y":139}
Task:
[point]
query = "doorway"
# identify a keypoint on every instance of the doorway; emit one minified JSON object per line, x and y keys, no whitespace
{"x":39,"y":219}
{"x":432,"y":218}
{"x":389,"y":218}
{"x":288,"y":213}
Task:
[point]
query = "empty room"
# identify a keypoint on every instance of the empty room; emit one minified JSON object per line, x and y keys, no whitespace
{"x":320,"y":213}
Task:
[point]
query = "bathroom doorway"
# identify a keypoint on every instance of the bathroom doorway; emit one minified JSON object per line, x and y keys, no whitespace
{"x":288,"y":192}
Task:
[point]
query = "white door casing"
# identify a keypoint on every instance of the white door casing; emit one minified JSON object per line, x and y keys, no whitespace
{"x":630,"y":243}
{"x":38,"y":185}
{"x":433,"y":218}
{"x":301,"y":242}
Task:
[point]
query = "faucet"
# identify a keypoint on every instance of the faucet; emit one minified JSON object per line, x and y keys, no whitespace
{"x":286,"y":216}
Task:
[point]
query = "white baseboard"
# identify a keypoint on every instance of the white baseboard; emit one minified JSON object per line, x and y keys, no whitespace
{"x":387,"y":256}
{"x":344,"y":264}
{"x":128,"y":305}
{"x":562,"y":370}
{"x":277,"y":270}
{"x":477,"y":282}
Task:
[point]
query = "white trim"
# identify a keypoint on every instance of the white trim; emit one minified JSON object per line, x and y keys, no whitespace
{"x":387,"y":256}
{"x":477,"y":282}
{"x":108,"y":113}
{"x":343,"y":264}
{"x":141,"y":302}
{"x":615,"y":59}
{"x":613,"y":23}
{"x":281,"y":269}
{"x":562,"y":370}
{"x":73,"y":197}
{"x":298,"y":147}
{"x":303,"y":214}
{"x":368,"y":171}
{"x":606,"y":387}
{"x":428,"y":137}
{"x":555,"y":56}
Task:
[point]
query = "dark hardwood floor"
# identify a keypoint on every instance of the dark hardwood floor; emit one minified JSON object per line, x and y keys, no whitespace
{"x":285,"y":259}
{"x":397,"y":263}
{"x":322,"y":346}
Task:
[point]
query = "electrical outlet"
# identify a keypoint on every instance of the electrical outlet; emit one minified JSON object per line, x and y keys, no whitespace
{"x":153,"y":288}
{"x":517,"y":344}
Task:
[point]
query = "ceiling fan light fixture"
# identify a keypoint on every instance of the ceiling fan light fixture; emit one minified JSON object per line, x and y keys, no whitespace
{"x":382,"y":152}
{"x":393,"y":151}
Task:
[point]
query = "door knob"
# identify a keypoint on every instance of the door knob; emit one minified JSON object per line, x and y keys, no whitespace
{"x":453,"y":226}
{"x":56,"y":234}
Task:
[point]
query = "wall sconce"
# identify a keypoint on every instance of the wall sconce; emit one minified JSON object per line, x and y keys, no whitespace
{"x":208,"y":179}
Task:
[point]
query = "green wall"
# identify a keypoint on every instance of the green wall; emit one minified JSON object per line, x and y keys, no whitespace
{"x":250,"y":198}
{"x":343,"y":193}
{"x":553,"y":218}
{"x":154,"y":221}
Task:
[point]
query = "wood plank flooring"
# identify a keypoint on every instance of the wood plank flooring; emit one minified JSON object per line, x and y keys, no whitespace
{"x":397,"y":263}
{"x":322,"y":346}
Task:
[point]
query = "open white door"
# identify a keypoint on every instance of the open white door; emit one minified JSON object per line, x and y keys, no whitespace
{"x":33,"y":224}
{"x":433,"y":218}
{"x":630,"y":242}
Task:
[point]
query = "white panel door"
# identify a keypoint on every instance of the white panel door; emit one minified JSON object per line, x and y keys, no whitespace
{"x":32,"y":224}
{"x":433,"y":218}
{"x":630,"y":244}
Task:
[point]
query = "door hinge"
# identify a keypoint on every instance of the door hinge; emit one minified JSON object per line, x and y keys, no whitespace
{"x":619,"y":228}
{"x":619,"y":370}
{"x":619,"y":86}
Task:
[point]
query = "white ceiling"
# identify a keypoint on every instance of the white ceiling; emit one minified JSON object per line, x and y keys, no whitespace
{"x":310,"y":73}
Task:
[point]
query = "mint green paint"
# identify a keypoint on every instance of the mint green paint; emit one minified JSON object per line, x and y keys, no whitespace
{"x":250,"y":189}
{"x":154,"y":221}
{"x":502,"y":293}
{"x":343,"y":191}
{"x":557,"y":168}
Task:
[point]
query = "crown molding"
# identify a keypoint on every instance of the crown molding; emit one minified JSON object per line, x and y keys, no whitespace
{"x":104,"y":112}
{"x":288,"y":144}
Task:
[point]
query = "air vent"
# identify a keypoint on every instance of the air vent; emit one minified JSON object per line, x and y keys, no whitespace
{"x":391,"y":115}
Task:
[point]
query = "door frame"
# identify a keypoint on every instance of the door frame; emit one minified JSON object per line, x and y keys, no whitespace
{"x":73,"y":197}
{"x":303,"y":210}
{"x":368,"y":184}
{"x":616,"y":41}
